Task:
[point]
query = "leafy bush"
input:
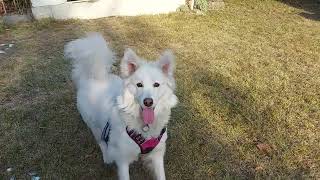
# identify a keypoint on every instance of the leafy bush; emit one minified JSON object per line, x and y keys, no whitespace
{"x":201,"y":5}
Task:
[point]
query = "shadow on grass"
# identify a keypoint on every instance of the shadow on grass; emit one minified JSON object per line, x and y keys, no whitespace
{"x":206,"y":146}
{"x":41,"y":129}
{"x":311,"y":8}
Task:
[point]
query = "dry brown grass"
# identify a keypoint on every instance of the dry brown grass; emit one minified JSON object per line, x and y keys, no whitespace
{"x":247,"y":75}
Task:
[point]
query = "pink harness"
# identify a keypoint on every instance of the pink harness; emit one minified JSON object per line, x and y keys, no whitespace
{"x":146,"y":146}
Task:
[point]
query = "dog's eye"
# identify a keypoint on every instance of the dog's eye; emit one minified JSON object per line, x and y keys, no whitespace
{"x":139,"y":85}
{"x":156,"y":84}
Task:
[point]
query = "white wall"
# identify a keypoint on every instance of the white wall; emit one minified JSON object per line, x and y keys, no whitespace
{"x":102,"y":8}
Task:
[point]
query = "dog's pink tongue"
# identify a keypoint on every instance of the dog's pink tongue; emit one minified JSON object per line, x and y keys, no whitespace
{"x":148,"y":115}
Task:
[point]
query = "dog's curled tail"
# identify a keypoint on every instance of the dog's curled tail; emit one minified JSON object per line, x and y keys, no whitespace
{"x":91,"y":58}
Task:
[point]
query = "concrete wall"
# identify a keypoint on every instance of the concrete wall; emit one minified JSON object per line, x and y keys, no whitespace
{"x":104,"y":8}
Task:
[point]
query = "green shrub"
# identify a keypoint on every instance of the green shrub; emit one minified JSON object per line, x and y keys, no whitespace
{"x":201,"y":5}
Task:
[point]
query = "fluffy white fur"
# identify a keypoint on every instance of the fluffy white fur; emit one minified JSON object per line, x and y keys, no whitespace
{"x":104,"y":97}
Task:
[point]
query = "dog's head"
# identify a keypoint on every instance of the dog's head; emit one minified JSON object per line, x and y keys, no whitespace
{"x":149,"y":85}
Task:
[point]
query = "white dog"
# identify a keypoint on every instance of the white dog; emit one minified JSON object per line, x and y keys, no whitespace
{"x":128,"y":116}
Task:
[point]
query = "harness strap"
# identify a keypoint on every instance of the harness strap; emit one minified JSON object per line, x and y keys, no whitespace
{"x":106,"y":133}
{"x":148,"y":145}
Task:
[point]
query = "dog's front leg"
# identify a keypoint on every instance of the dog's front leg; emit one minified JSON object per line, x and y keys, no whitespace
{"x":158,"y":168}
{"x":155,"y":162}
{"x":123,"y":170}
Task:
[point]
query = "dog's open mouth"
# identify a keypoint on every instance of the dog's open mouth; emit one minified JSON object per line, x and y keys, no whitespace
{"x":147,"y":115}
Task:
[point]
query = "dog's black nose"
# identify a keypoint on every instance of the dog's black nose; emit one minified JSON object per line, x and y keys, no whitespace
{"x":148,"y":102}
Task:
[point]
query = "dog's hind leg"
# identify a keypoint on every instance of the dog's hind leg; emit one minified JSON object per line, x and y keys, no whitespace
{"x":103,"y":148}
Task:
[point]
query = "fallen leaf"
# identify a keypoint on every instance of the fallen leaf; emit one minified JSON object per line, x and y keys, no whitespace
{"x":264,"y":148}
{"x":259,"y":168}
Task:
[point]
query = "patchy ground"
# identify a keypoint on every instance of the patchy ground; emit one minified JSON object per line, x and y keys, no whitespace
{"x":248,"y":82}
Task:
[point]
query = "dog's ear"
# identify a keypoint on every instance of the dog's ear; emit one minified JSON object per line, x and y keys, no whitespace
{"x":129,"y":63}
{"x":167,"y":62}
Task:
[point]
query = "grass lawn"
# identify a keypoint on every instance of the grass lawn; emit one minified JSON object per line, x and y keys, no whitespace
{"x":248,"y":80}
